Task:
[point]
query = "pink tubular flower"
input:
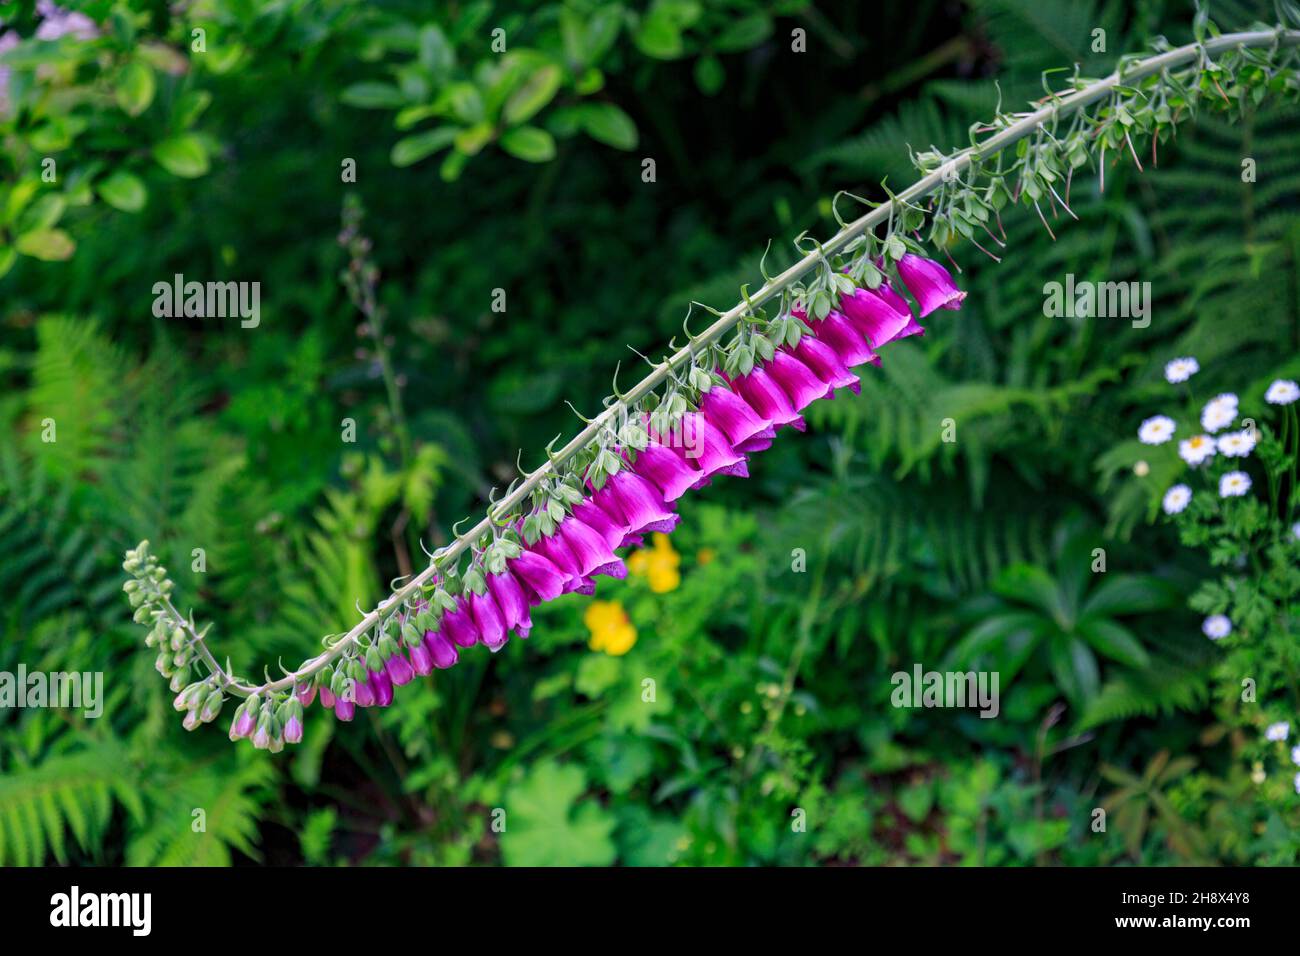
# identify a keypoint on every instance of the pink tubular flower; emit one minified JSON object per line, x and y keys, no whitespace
{"x":487,"y":618}
{"x":704,"y":447}
{"x":768,"y":400}
{"x":612,"y":529}
{"x":930,"y":284}
{"x":556,"y":550}
{"x":399,"y":670}
{"x":665,"y":470}
{"x":345,"y":709}
{"x":459,"y":625}
{"x":638,"y":502}
{"x":293,"y":730}
{"x":843,"y":336}
{"x":508,"y":594}
{"x":825,"y":363}
{"x":306,"y":693}
{"x":589,"y":547}
{"x":542,"y":580}
{"x":383,"y":687}
{"x":363,"y":693}
{"x":798,"y":381}
{"x":327,"y":698}
{"x":422,"y":660}
{"x":727,"y":412}
{"x":442,"y":651}
{"x":880,"y":314}
{"x":243,"y":725}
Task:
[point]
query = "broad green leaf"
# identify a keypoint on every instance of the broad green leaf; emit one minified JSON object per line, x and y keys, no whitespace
{"x":529,"y":143}
{"x":43,"y":214}
{"x":743,"y":33}
{"x":588,"y":36}
{"x":1028,"y":584}
{"x":1114,"y":641}
{"x":135,"y":88}
{"x":183,"y":155}
{"x":709,"y":75}
{"x":536,"y":92}
{"x":1074,"y":667}
{"x":370,"y":95}
{"x":471,"y":140}
{"x":1129,"y":594}
{"x":411,"y":149}
{"x":548,"y":825}
{"x":50,"y":245}
{"x":610,"y":125}
{"x":123,"y":190}
{"x":659,"y":35}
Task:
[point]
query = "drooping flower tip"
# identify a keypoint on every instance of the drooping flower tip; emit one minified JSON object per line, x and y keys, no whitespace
{"x":543,"y":580}
{"x":880,"y":314}
{"x":399,"y":670}
{"x":766,"y":397}
{"x":848,"y":341}
{"x":293,"y":730}
{"x":825,"y":363}
{"x":731,"y":414}
{"x":930,"y":284}
{"x":243,"y":724}
{"x":800,"y":384}
{"x":705,"y":449}
{"x":666,"y":470}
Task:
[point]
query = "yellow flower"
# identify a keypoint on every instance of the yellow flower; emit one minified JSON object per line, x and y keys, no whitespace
{"x":658,"y":565}
{"x":611,"y":631}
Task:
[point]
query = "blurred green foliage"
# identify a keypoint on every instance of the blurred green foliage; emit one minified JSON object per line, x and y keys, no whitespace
{"x":765,"y":733}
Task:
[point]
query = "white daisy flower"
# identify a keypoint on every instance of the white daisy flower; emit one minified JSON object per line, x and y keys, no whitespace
{"x":1196,"y":450}
{"x":1234,"y":484}
{"x":1237,"y":444}
{"x":1181,"y":369}
{"x":1219,"y":412}
{"x":1157,"y":430}
{"x":1278,"y":731}
{"x":1282,"y":392}
{"x":1216,"y":627}
{"x":1295,"y":530}
{"x":1297,"y":783}
{"x":1295,"y":755}
{"x":1176,"y":499}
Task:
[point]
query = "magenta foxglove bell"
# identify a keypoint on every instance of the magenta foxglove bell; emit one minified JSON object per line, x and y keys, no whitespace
{"x":930,"y":284}
{"x":880,"y":314}
{"x":540,"y":577}
{"x":729,"y":413}
{"x":768,"y":400}
{"x":825,"y":364}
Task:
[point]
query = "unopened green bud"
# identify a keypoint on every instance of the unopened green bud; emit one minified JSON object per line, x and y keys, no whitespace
{"x":212,"y":706}
{"x":141,"y":615}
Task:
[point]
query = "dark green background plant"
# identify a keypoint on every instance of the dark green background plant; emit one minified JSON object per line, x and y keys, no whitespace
{"x":772,"y":686}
